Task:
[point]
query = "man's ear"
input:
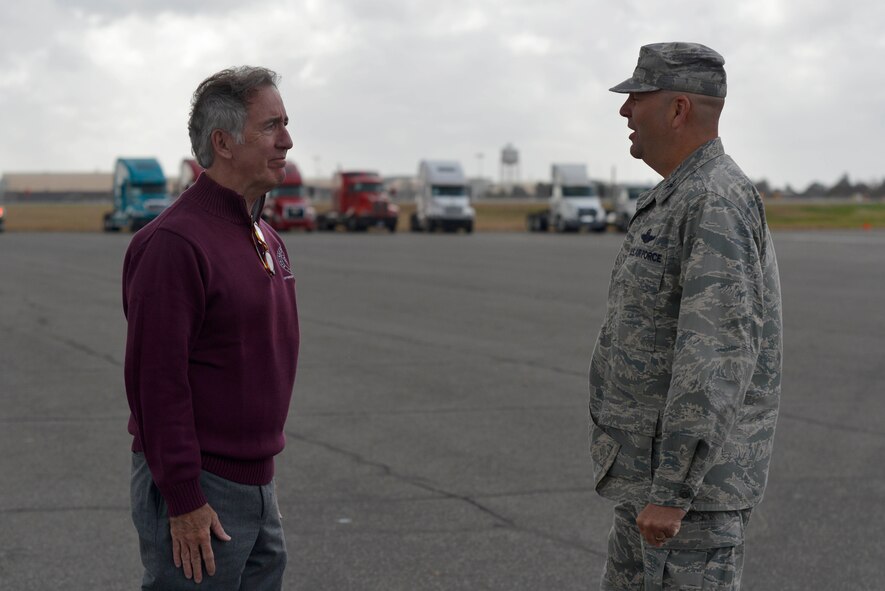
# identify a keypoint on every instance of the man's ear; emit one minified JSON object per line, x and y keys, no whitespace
{"x":679,"y":110}
{"x":221,"y":143}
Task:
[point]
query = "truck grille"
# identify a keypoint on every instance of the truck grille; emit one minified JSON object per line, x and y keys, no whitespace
{"x":453,"y":210}
{"x":379,"y":207}
{"x":587,"y":212}
{"x":294,"y":213}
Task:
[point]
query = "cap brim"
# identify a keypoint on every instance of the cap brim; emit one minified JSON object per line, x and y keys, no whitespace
{"x":631,"y":85}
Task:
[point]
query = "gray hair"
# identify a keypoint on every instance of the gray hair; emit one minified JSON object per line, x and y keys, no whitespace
{"x":221,"y":102}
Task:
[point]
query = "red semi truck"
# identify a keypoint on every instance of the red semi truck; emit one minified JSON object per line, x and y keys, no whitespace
{"x":287,"y":205}
{"x":359,"y":203}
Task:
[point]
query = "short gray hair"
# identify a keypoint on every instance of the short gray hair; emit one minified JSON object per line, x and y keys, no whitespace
{"x":221,"y":102}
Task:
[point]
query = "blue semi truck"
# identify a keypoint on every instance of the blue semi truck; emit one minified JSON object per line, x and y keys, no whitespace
{"x":140,"y":194}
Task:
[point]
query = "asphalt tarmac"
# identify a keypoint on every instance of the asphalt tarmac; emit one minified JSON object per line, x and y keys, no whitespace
{"x":438,"y":431}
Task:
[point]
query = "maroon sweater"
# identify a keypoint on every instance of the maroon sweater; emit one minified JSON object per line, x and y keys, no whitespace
{"x":212,"y":345}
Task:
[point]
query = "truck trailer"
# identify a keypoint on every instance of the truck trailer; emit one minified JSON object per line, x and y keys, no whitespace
{"x":359,"y":202}
{"x":287,"y":206}
{"x":140,"y":194}
{"x":442,"y":201}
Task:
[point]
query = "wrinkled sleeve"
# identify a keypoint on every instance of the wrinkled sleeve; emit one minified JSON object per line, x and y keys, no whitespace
{"x":164,"y":299}
{"x":717,"y":343}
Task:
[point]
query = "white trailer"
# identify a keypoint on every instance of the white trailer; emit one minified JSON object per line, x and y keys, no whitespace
{"x":442,"y":201}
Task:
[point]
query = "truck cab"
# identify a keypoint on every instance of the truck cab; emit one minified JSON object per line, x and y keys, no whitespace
{"x":188,"y":173}
{"x":140,"y":194}
{"x":442,"y":200}
{"x":624,"y":205}
{"x":287,"y":205}
{"x":359,"y":202}
{"x":574,"y":200}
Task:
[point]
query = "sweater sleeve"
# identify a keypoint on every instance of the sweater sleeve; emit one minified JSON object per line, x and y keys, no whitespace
{"x":717,"y":343}
{"x":164,"y":300}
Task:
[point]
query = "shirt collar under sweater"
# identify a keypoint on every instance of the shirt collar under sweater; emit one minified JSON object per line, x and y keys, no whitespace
{"x":221,"y":201}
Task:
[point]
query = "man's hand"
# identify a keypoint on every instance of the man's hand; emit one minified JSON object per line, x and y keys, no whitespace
{"x":657,"y":523}
{"x":191,"y":541}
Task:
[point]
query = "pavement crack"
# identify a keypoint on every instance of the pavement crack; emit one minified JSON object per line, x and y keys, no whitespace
{"x":501,"y":520}
{"x":829,"y":425}
{"x":521,"y":362}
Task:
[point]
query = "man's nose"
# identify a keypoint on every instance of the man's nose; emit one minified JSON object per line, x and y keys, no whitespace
{"x":625,"y":108}
{"x":285,"y":140}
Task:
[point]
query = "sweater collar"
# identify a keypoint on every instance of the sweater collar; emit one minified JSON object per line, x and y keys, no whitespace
{"x":221,"y":201}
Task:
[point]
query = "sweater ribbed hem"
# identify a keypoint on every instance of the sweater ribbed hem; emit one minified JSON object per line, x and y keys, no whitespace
{"x":184,"y":497}
{"x":253,"y":472}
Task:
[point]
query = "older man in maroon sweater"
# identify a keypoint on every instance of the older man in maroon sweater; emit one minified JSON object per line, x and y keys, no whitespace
{"x":211,"y":351}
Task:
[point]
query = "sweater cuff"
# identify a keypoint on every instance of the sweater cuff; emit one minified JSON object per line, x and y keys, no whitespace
{"x":184,"y":497}
{"x":671,"y":494}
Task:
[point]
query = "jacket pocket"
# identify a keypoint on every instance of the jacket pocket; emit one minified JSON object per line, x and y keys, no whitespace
{"x":705,"y":554}
{"x":632,"y":428}
{"x":640,"y":280}
{"x":603,"y":451}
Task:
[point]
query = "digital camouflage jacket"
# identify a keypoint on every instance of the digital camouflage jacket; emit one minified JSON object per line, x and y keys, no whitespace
{"x":686,"y":372}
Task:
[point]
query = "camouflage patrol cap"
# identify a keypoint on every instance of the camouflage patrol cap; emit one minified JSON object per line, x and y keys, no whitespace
{"x":684,"y":67}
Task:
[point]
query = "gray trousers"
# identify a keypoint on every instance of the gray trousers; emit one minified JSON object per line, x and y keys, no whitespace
{"x":253,"y":560}
{"x":706,"y":554}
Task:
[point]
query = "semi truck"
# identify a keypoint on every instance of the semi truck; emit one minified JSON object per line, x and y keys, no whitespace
{"x":574,"y":203}
{"x":140,"y":194}
{"x":188,"y":172}
{"x":287,"y":206}
{"x":359,"y":202}
{"x":442,"y":201}
{"x":624,"y":205}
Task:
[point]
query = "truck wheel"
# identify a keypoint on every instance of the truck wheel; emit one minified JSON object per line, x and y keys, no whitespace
{"x":108,"y":225}
{"x":431,"y":226}
{"x":391,"y":226}
{"x":414,"y":225}
{"x":469,"y":227}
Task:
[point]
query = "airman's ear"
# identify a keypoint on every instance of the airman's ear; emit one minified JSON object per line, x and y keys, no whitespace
{"x":680,"y":108}
{"x":221,"y":143}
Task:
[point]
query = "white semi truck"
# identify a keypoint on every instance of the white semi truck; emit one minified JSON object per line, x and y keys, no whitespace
{"x":442,"y":201}
{"x":624,"y":205}
{"x":574,"y":203}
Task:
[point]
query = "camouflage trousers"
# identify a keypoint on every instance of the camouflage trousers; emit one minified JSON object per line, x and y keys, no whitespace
{"x":707,"y":553}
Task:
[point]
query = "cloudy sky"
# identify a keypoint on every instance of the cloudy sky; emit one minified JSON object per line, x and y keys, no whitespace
{"x":383,"y":83}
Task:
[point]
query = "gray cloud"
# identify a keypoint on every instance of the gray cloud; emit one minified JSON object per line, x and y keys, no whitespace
{"x":383,"y":83}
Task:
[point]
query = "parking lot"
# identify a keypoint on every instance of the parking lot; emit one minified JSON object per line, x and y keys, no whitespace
{"x":438,"y":431}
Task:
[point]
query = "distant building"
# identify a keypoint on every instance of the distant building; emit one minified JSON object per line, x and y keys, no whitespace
{"x":56,"y":186}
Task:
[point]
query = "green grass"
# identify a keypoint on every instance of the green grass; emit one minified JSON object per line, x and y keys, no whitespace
{"x":491,"y":216}
{"x":824,"y":215}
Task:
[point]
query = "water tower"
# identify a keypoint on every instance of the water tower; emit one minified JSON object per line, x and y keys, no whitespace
{"x":509,"y":165}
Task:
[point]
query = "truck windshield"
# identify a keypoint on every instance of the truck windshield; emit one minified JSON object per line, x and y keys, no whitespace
{"x":366,"y":187}
{"x":449,"y":191}
{"x":288,"y":191}
{"x":586,"y":191}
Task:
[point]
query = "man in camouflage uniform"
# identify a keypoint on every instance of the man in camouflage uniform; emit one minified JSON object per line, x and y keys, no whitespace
{"x":685,"y":375}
